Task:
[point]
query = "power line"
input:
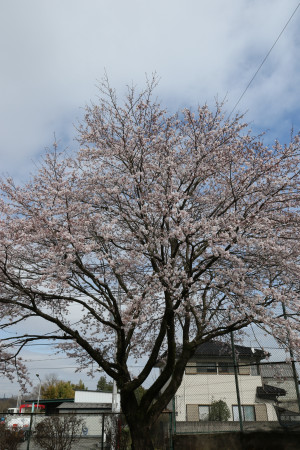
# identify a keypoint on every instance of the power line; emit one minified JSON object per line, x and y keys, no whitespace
{"x":76,"y":367}
{"x":45,"y":359}
{"x":54,"y":368}
{"x":262,"y":63}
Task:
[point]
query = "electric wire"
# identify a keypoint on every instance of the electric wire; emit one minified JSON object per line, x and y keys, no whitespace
{"x":264,"y":60}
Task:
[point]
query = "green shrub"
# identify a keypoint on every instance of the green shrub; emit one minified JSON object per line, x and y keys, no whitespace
{"x":219,"y":411}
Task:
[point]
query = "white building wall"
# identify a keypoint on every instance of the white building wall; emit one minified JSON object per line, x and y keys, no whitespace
{"x":94,"y":397}
{"x":272,"y":416}
{"x":202,"y":389}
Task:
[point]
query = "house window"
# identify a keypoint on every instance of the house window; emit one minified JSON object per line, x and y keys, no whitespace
{"x":254,"y":369}
{"x":203,"y":412}
{"x":225,"y":367}
{"x":221,"y":368}
{"x":206,"y":367}
{"x":248,"y":413}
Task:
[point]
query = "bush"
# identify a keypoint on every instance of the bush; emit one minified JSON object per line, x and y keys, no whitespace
{"x":219,"y":411}
{"x":58,"y":432}
{"x":10,"y":439}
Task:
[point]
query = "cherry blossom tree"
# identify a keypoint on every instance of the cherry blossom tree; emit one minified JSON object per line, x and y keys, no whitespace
{"x":167,"y":230}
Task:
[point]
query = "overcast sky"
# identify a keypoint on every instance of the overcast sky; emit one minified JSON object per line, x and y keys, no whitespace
{"x":54,"y":51}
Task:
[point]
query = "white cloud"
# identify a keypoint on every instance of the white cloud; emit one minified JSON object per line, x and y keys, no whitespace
{"x":53,"y":52}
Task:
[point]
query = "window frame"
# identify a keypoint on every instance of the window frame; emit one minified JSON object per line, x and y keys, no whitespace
{"x":243,"y":413}
{"x":229,"y":365}
{"x":207,"y":366}
{"x":204,"y":406}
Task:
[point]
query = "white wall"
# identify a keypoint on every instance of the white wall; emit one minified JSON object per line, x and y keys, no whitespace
{"x":94,"y":397}
{"x":202,"y":389}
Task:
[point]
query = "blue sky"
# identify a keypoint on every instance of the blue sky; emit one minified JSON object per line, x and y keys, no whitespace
{"x":53,"y":52}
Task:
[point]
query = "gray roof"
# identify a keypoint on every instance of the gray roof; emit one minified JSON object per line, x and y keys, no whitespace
{"x":274,"y":370}
{"x":218,"y":348}
{"x":51,"y":400}
{"x":271,"y":392}
{"x":67,"y":405}
{"x":221,"y":349}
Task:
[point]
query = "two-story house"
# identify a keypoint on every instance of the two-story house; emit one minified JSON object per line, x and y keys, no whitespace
{"x":210,"y":377}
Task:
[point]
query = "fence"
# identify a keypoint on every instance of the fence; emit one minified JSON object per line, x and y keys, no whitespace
{"x":78,"y":431}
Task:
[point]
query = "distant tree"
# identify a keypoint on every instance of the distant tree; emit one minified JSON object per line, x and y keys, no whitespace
{"x":104,"y":385}
{"x":62,"y":389}
{"x":52,"y":388}
{"x":7,"y":403}
{"x":219,"y":411}
{"x":79,"y":386}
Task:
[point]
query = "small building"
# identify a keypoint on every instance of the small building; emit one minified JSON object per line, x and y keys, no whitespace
{"x":93,"y":407}
{"x":83,"y":402}
{"x":89,"y":402}
{"x":51,"y":405}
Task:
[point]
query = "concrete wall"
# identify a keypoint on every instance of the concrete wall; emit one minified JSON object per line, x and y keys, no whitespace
{"x":280,"y":440}
{"x":217,"y":427}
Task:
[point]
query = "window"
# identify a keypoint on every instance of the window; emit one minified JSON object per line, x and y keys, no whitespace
{"x":221,"y":368}
{"x":248,"y":413}
{"x":225,"y":367}
{"x":206,"y":367}
{"x":203,"y":412}
{"x":254,"y":370}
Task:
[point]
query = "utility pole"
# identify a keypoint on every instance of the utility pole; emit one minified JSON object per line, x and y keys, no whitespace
{"x":292,"y":360}
{"x":38,"y":401}
{"x":236,"y":382}
{"x":115,"y":407}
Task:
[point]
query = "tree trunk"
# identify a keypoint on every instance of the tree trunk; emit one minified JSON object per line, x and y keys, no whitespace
{"x":141,"y":439}
{"x":140,"y":431}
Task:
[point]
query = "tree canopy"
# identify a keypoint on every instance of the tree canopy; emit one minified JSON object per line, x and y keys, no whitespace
{"x":219,"y":411}
{"x":165,"y":230}
{"x":104,"y":385}
{"x":60,"y":389}
{"x":53,"y":388}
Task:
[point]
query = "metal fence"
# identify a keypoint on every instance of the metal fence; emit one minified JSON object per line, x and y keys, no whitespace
{"x":76,"y":432}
